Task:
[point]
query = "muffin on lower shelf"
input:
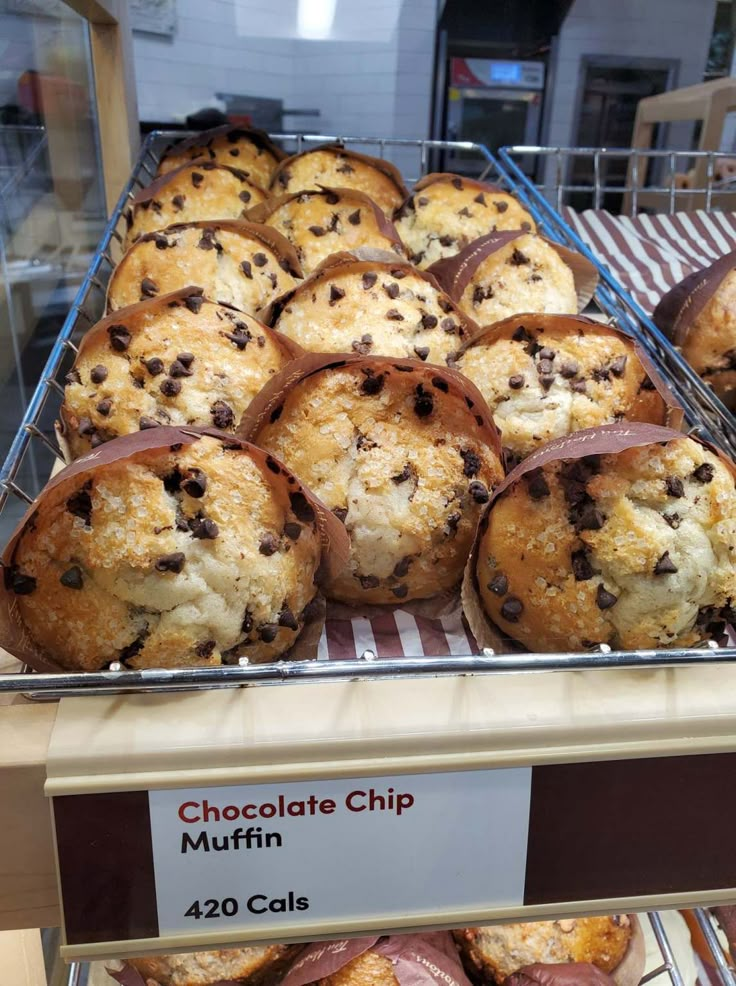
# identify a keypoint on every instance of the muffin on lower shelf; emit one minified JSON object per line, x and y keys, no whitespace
{"x":492,"y":953}
{"x":177,"y":359}
{"x":165,"y":548}
{"x":256,"y":966}
{"x":699,"y":315}
{"x":404,"y":453}
{"x":508,"y":272}
{"x":446,"y":212}
{"x":545,"y":376}
{"x":623,"y":535}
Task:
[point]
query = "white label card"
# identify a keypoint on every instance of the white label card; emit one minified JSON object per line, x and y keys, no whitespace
{"x":297,"y":853}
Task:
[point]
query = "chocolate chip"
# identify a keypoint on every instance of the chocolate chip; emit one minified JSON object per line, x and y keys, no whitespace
{"x":363,"y":345}
{"x":422,"y":200}
{"x":79,"y":504}
{"x":605,"y":599}
{"x":401,"y":568}
{"x":194,"y":303}
{"x":119,"y":337}
{"x":223,"y":415}
{"x":178,"y":202}
{"x":74,"y":377}
{"x":269,"y":544}
{"x":195,"y":483}
{"x":471,"y":462}
{"x":704,"y":473}
{"x":260,"y":259}
{"x":665,"y":565}
{"x":72,"y":578}
{"x":516,"y":382}
{"x":104,"y":407}
{"x":464,"y":212}
{"x":171,"y":563}
{"x":674,"y":486}
{"x":428,"y":321}
{"x":98,"y":374}
{"x":448,"y":325}
{"x":354,"y":218}
{"x":149,"y":288}
{"x":302,"y":508}
{"x":618,"y":366}
{"x":18,"y":582}
{"x":512,"y":609}
{"x":155,"y":366}
{"x":336,"y":294}
{"x":369,"y":581}
{"x":501,"y":206}
{"x":186,"y":358}
{"x":546,"y":353}
{"x":522,"y":335}
{"x":402,"y":476}
{"x":569,"y":369}
{"x":204,"y":529}
{"x":392,"y":289}
{"x":393,"y":315}
{"x":317,"y":230}
{"x":246,"y":268}
{"x":169,"y":387}
{"x":288,"y":620}
{"x":340,"y":512}
{"x":581,"y":567}
{"x":373,"y":383}
{"x":590,"y":519}
{"x":144,"y":423}
{"x":602,"y":373}
{"x":369,"y":280}
{"x":423,"y":403}
{"x":579,"y":386}
{"x":499,"y":585}
{"x":674,"y":520}
{"x":292,"y":530}
{"x":544,"y":367}
{"x":518,"y":259}
{"x":197,"y":179}
{"x":537,"y":484}
{"x":422,"y":352}
{"x":177,"y":369}
{"x":268,"y":632}
{"x":479,"y":492}
{"x":247,"y":625}
{"x":205,"y":648}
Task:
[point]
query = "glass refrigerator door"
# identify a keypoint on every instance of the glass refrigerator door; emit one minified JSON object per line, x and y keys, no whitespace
{"x":494,"y":117}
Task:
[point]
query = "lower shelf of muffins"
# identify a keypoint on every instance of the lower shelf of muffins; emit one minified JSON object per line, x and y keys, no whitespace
{"x":620,"y":950}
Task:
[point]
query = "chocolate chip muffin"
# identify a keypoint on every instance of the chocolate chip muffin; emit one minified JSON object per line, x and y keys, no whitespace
{"x":404,"y":453}
{"x":545,"y":376}
{"x":371,"y":307}
{"x":235,"y":262}
{"x":445,"y":213}
{"x":498,"y":951}
{"x":257,"y":966}
{"x":325,"y":222}
{"x":699,"y":315}
{"x":176,"y":359}
{"x":168,"y":548}
{"x":369,"y":969}
{"x":504,"y":273}
{"x":334,"y":166}
{"x":632,"y":545}
{"x":204,"y":190}
{"x":251,"y":150}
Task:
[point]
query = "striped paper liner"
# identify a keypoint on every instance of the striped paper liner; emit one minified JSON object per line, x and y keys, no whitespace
{"x":650,"y":254}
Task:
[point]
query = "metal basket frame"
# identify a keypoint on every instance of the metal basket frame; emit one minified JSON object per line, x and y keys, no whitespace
{"x":705,"y":415}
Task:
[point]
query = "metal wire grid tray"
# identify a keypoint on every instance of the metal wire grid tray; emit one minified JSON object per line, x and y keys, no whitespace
{"x":34,"y":453}
{"x":78,"y":972}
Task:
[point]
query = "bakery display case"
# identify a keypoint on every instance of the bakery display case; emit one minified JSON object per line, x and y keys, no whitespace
{"x":209,"y":806}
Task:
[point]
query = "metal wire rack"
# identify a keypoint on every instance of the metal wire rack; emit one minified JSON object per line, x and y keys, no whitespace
{"x":705,"y":414}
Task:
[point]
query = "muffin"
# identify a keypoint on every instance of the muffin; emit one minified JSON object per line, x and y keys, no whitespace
{"x":559,"y":974}
{"x":369,"y":969}
{"x":176,"y":359}
{"x":168,"y":548}
{"x":404,"y":453}
{"x":623,"y":535}
{"x":545,"y":376}
{"x":498,"y":951}
{"x":371,"y":307}
{"x":504,"y":273}
{"x":235,"y":262}
{"x":251,"y":150}
{"x":203,"y":190}
{"x":335,"y":166}
{"x":699,"y":315}
{"x":321,"y":223}
{"x":445,"y":213}
{"x":256,"y":966}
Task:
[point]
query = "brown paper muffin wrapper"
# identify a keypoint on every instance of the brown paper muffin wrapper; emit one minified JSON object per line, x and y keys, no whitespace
{"x":455,"y":273}
{"x":674,"y":412}
{"x":14,"y":636}
{"x":680,"y":306}
{"x":262,"y":212}
{"x":358,"y":261}
{"x":604,"y":440}
{"x":287,"y":345}
{"x":203,"y":137}
{"x":385,"y":167}
{"x":417,"y":960}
